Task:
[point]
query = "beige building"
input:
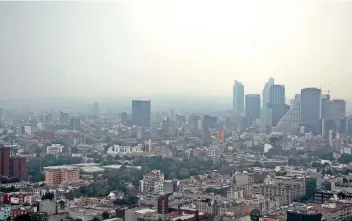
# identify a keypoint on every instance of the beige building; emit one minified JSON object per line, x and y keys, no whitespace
{"x":61,"y":176}
{"x":286,"y":189}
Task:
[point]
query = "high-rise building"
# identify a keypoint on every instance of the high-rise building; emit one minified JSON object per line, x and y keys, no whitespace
{"x":96,"y":109}
{"x":238,"y":99}
{"x":123,"y":117}
{"x":253,"y":106}
{"x":141,"y":113}
{"x":277,"y":103}
{"x":75,"y":123}
{"x":337,"y":109}
{"x":5,"y":161}
{"x":310,"y":109}
{"x":325,"y":106}
{"x":64,"y":117}
{"x":265,"y":115}
{"x":18,"y":167}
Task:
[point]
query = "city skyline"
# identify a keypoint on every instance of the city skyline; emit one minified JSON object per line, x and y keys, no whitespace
{"x":128,"y":49}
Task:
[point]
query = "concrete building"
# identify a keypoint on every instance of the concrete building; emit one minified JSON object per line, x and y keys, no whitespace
{"x":325,"y":107}
{"x":75,"y":123}
{"x":5,"y":161}
{"x":277,"y":103}
{"x":5,"y":212}
{"x":265,"y":116}
{"x":62,"y":176}
{"x":152,"y":182}
{"x":310,"y":109}
{"x":253,"y":106}
{"x":18,"y":167}
{"x":54,"y":149}
{"x":333,"y":211}
{"x":48,"y":206}
{"x":141,"y":113}
{"x":283,"y":188}
{"x":238,"y":99}
{"x":337,"y":109}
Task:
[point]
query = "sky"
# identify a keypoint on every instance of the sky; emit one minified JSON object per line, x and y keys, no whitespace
{"x":185,"y":47}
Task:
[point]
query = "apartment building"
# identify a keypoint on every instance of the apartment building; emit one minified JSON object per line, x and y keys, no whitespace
{"x":62,"y":176}
{"x":285,"y":189}
{"x":54,"y":149}
{"x":152,"y":182}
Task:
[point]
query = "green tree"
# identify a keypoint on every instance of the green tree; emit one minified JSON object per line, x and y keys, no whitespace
{"x":254,"y":215}
{"x":105,"y":215}
{"x":184,"y":174}
{"x":172,"y":175}
{"x":95,"y":219}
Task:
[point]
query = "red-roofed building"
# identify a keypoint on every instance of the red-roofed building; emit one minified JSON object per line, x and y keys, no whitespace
{"x":334,"y":211}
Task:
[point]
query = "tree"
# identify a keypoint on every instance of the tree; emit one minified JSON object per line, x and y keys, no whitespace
{"x":172,"y":175}
{"x":22,"y":218}
{"x":48,"y":196}
{"x":95,"y":219}
{"x":62,"y":204}
{"x":105,"y":215}
{"x":184,"y":174}
{"x":254,"y":215}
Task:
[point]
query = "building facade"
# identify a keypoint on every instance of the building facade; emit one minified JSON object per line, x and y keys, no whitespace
{"x":141,"y":113}
{"x":238,"y":99}
{"x":310,"y":109}
{"x":62,"y":176}
{"x":253,"y":106}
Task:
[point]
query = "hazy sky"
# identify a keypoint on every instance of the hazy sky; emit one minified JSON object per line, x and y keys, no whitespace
{"x":135,"y":48}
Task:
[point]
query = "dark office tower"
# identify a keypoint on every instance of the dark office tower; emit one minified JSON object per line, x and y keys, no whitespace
{"x":141,"y":113}
{"x":277,"y":103}
{"x":75,"y":123}
{"x":209,"y":121}
{"x":325,"y":107}
{"x":253,"y":106}
{"x":96,"y":109}
{"x":123,"y":117}
{"x":337,"y":109}
{"x":310,"y":109}
{"x":18,"y":167}
{"x":238,"y":99}
{"x":48,"y":119}
{"x":5,"y":161}
{"x":64,"y":117}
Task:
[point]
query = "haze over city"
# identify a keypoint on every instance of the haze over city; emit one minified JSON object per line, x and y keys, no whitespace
{"x":148,"y":48}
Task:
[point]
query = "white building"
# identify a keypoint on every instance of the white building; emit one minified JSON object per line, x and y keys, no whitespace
{"x":54,"y":149}
{"x":116,"y":149}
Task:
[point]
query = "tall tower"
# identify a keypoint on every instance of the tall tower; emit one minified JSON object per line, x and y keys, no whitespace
{"x":238,"y":99}
{"x":310,"y":109}
{"x":253,"y":106}
{"x":141,"y":113}
{"x":277,"y":103}
{"x":265,"y":115}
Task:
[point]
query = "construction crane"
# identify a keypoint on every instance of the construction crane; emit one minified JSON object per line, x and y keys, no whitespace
{"x":326,"y":91}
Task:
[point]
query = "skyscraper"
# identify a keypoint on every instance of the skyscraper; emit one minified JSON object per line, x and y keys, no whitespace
{"x":266,"y":92}
{"x":277,"y":103}
{"x":141,"y":113}
{"x":325,"y":106}
{"x":337,"y":109}
{"x":5,"y":153}
{"x":75,"y":123}
{"x":310,"y":109}
{"x":265,"y":115}
{"x":289,"y":123}
{"x":253,"y":106}
{"x":238,"y":99}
